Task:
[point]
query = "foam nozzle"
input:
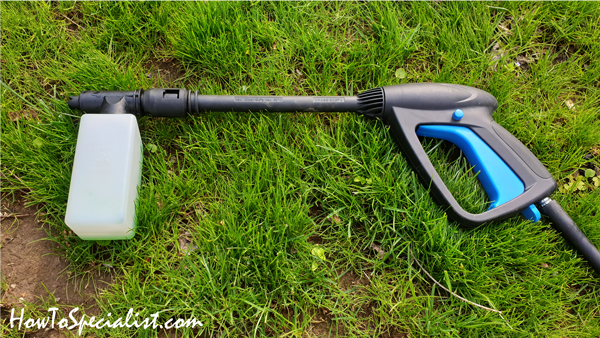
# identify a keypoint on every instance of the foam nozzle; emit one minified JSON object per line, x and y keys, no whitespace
{"x":74,"y":102}
{"x":107,"y":102}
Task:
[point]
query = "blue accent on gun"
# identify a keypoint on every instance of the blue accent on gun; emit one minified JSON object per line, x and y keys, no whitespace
{"x":499,"y":181}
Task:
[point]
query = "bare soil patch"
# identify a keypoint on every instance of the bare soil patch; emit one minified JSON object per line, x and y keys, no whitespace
{"x":31,"y":270}
{"x":166,"y":69}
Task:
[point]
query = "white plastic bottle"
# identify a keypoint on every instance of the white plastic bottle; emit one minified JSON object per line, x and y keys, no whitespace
{"x":106,"y":177}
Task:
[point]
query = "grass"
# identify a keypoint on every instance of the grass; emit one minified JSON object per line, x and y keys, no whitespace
{"x":257,"y":193}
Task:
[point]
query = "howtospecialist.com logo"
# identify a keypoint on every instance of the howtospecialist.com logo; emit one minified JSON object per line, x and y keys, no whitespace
{"x":72,"y":322}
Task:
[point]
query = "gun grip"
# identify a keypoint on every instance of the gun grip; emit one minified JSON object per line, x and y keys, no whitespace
{"x":513,"y":178}
{"x":499,"y":181}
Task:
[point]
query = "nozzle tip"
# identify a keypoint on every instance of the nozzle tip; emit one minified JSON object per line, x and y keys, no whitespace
{"x":74,"y":102}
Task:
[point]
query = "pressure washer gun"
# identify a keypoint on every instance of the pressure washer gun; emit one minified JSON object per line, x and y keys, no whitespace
{"x":512,"y":177}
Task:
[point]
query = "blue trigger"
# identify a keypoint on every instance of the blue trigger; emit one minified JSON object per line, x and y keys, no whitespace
{"x":532,"y":213}
{"x":499,"y":181}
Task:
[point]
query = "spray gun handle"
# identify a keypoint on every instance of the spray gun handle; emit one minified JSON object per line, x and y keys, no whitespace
{"x":511,"y":175}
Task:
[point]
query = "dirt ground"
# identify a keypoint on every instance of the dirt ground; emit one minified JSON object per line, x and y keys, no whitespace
{"x":29,"y":267}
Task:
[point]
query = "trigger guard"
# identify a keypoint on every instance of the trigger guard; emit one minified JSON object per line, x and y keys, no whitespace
{"x":499,"y":181}
{"x":404,"y":123}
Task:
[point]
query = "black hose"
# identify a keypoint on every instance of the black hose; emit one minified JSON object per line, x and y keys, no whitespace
{"x":571,"y":232}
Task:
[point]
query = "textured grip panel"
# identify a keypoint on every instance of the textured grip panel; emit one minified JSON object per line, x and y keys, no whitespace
{"x":370,"y":102}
